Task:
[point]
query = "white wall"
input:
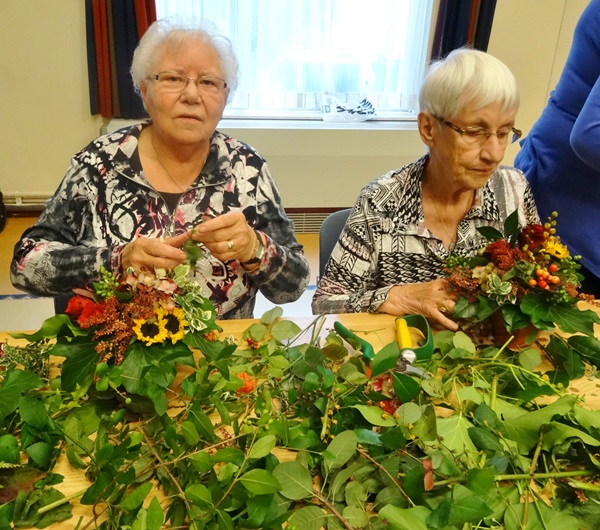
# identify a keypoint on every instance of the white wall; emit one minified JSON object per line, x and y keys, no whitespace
{"x":44,"y":113}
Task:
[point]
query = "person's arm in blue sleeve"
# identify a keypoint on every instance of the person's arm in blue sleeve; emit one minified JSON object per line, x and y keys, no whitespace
{"x":585,"y":136}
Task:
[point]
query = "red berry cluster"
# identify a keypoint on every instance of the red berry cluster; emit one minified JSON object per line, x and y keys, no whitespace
{"x":545,"y":277}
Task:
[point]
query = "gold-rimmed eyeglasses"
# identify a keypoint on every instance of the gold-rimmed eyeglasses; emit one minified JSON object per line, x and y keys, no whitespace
{"x":176,"y":82}
{"x":480,"y":135}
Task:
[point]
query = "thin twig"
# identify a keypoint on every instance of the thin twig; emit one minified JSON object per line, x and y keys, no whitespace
{"x":386,"y":472}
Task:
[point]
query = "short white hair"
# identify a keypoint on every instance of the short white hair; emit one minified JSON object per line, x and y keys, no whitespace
{"x":175,"y":32}
{"x":467,"y":76}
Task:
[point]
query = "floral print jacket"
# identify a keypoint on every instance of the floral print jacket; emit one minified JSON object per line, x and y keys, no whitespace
{"x":104,"y":201}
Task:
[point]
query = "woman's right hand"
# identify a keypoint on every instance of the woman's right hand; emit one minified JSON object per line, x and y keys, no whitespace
{"x":151,"y":253}
{"x":430,"y":299}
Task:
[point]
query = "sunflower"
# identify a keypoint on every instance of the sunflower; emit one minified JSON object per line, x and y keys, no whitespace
{"x":150,"y":331}
{"x":555,"y":248}
{"x":174,"y":322}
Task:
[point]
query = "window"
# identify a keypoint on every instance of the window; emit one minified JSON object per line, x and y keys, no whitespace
{"x":294,"y":53}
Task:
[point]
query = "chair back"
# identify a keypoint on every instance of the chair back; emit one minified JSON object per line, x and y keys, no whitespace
{"x":60,"y":303}
{"x":329,"y":233}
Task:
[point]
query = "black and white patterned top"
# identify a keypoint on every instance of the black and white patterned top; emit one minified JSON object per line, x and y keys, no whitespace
{"x":385,"y":241}
{"x":104,"y":202}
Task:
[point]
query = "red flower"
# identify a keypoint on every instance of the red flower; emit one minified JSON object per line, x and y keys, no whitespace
{"x":89,"y":311}
{"x":532,"y":236}
{"x":249,"y":383}
{"x":77,"y":304}
{"x":382,"y":382}
{"x":389,"y":405}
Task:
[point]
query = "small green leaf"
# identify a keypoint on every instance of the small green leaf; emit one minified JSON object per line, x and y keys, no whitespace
{"x":463,"y":342}
{"x":260,"y":482}
{"x":40,"y":453}
{"x":295,"y":480}
{"x":16,"y":382}
{"x":484,"y":439}
{"x":409,"y":413}
{"x":374,"y":415}
{"x":271,"y":315}
{"x":368,"y":437}
{"x":530,"y":358}
{"x":135,"y":498}
{"x":340,"y":450}
{"x":405,"y":518}
{"x":311,"y":382}
{"x":285,"y":330}
{"x":32,"y":411}
{"x":9,"y":449}
{"x":190,"y":434}
{"x":490,"y":233}
{"x":405,"y":387}
{"x":201,"y":462}
{"x":393,"y":439}
{"x":308,"y":518}
{"x":199,"y":495}
{"x":262,"y":447}
{"x":385,"y":359}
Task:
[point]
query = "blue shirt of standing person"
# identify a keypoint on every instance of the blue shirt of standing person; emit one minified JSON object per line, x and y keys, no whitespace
{"x":561,"y":154}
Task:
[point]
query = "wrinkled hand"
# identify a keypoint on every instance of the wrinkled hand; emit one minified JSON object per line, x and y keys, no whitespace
{"x":228,"y":237}
{"x":430,"y":299}
{"x":151,"y":253}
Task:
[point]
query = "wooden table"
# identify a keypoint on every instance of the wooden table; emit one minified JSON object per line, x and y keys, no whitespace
{"x":378,"y":329}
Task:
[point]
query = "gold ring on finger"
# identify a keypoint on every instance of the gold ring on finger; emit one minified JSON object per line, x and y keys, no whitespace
{"x":229,"y":244}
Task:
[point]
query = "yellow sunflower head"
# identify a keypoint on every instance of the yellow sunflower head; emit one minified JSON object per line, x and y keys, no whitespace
{"x":555,"y":248}
{"x":174,"y":322}
{"x":150,"y":331}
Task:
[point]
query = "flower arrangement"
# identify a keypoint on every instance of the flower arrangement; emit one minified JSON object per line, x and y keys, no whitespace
{"x":152,"y":308}
{"x":527,"y":276}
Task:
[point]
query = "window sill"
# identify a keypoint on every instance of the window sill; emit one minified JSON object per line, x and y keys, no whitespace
{"x":370,"y":125}
{"x":280,"y":124}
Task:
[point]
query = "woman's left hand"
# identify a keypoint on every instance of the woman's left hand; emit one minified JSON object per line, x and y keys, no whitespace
{"x":228,"y":237}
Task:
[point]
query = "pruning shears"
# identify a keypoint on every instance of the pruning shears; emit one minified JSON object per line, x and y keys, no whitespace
{"x":355,"y":341}
{"x":408,"y":353}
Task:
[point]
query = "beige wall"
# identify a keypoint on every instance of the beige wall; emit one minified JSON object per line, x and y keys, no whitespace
{"x":44,"y":112}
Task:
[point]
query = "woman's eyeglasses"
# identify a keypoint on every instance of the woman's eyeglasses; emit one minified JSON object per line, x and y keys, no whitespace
{"x":176,"y":82}
{"x":479,"y":135}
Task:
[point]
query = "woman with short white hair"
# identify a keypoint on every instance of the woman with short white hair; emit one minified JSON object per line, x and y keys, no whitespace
{"x":133,"y":197}
{"x":390,"y":255}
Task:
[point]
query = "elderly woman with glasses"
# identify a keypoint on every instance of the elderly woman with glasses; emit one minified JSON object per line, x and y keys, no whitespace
{"x":133,"y":197}
{"x":390,"y":255}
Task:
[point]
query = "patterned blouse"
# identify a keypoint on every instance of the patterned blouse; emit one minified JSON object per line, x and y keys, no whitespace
{"x":104,"y":202}
{"x":385,"y":241}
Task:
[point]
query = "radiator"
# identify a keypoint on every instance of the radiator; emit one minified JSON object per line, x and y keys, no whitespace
{"x":306,"y":220}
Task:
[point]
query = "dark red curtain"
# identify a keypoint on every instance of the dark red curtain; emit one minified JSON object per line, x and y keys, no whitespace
{"x":462,"y":23}
{"x":113,"y":30}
